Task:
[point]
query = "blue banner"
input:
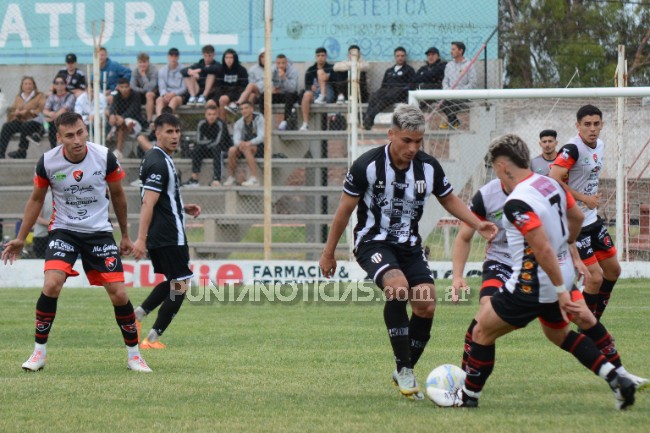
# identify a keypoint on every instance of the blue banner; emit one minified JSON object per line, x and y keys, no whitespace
{"x":43,"y":31}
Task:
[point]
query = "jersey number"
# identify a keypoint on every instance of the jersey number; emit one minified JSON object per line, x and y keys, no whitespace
{"x":555,"y":202}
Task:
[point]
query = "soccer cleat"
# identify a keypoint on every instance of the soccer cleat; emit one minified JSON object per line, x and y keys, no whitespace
{"x":406,"y":383}
{"x":640,"y":383}
{"x":229,"y":182}
{"x":462,"y":400}
{"x":233,"y":108}
{"x":36,"y":361}
{"x":136,"y":363}
{"x":624,"y":390}
{"x":251,"y":182}
{"x":417,"y":396}
{"x":191,"y":183}
{"x":146,"y":344}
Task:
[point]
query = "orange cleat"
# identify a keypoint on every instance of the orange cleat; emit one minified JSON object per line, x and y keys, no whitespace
{"x":146,"y":344}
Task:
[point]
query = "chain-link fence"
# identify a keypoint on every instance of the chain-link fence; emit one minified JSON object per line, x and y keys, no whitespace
{"x":402,"y":45}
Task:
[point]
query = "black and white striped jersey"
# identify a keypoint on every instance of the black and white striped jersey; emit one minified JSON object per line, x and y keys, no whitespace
{"x":392,"y":200}
{"x":158,"y":173}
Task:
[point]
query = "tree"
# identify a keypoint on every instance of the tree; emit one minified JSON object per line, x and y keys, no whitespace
{"x":544,"y":42}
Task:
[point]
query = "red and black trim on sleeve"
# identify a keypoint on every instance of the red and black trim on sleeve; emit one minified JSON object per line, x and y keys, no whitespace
{"x":567,"y":156}
{"x":521,"y":215}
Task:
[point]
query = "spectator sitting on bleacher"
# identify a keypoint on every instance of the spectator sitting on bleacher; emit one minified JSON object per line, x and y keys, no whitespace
{"x":398,"y":80}
{"x":317,"y":88}
{"x":212,"y":140}
{"x":453,"y":80}
{"x":86,"y":108}
{"x":285,"y":89}
{"x":431,"y":74}
{"x":24,"y":117}
{"x":199,"y":78}
{"x":113,"y":71}
{"x":144,"y":82}
{"x":171,"y":84}
{"x":125,"y":115}
{"x":74,"y":78}
{"x":248,"y":138}
{"x":255,"y":85}
{"x":230,"y":81}
{"x":59,"y":102}
{"x":343,"y":69}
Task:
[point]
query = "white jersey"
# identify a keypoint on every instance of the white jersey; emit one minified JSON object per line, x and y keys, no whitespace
{"x":537,"y":201}
{"x":79,"y":190}
{"x":487,"y":204}
{"x":584,"y":164}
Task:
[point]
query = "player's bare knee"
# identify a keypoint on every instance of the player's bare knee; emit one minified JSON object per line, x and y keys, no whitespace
{"x":424,"y":309}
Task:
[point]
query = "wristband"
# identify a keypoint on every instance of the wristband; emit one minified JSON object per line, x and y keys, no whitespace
{"x":560,"y":288}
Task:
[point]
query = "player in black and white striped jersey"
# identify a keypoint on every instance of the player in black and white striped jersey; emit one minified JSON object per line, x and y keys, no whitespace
{"x":389,"y":187}
{"x":162,"y":230}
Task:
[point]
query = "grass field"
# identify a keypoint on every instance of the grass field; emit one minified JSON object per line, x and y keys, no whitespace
{"x":297,"y":368}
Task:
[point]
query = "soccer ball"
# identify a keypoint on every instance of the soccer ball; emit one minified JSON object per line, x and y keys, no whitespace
{"x":443,"y":384}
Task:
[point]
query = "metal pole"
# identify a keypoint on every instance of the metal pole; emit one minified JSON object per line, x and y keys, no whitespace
{"x":620,"y":153}
{"x":354,"y":100}
{"x":97,"y":124}
{"x":268,"y":116}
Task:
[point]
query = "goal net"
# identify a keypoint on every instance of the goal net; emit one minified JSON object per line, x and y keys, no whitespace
{"x":487,"y":114}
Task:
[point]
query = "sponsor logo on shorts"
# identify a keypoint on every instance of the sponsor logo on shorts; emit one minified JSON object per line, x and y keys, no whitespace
{"x":58,"y":244}
{"x":376,"y":258}
{"x":111,"y":263}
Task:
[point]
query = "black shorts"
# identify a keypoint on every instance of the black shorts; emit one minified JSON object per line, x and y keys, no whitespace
{"x":233,"y":93}
{"x":495,"y":274}
{"x":100,"y":256}
{"x":172,"y":261}
{"x":519,"y":310}
{"x":594,"y":243}
{"x":377,"y":258}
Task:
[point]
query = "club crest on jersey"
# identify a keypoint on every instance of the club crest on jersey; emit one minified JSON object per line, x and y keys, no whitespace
{"x":78,"y":175}
{"x":595,"y":158}
{"x":376,"y":258}
{"x":420,"y":186}
{"x":111,"y":263}
{"x":521,"y":219}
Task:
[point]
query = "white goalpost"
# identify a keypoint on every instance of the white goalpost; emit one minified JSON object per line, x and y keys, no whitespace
{"x":489,"y":113}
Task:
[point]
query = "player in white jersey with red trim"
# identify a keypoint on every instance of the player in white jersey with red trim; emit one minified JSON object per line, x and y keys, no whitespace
{"x":541,"y":225}
{"x":580,"y":163}
{"x":82,"y":175}
{"x":487,"y":204}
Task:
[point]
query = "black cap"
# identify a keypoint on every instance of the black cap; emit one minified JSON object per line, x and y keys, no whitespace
{"x":433,"y":50}
{"x":173,"y":52}
{"x":71,"y":58}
